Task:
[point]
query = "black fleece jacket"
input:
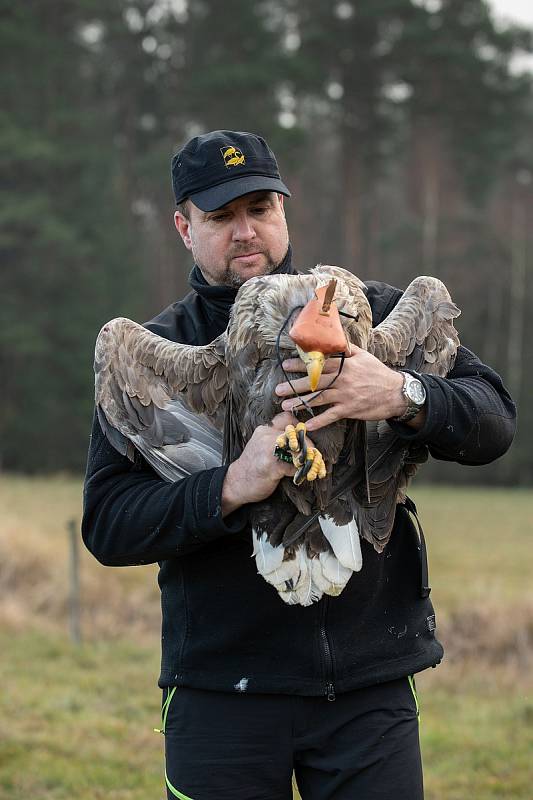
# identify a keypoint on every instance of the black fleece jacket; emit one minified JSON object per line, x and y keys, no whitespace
{"x":221,"y":621}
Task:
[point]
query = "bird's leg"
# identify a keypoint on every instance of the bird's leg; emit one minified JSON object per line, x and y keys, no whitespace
{"x":291,"y":446}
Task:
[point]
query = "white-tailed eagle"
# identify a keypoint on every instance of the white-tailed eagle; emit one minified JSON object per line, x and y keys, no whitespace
{"x":187,"y":408}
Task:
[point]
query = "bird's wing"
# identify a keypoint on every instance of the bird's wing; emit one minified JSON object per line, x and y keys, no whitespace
{"x":391,"y":464}
{"x":419,"y":332}
{"x":162,"y":397}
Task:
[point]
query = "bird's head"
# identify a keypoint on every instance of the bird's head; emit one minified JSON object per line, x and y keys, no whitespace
{"x":318,"y":332}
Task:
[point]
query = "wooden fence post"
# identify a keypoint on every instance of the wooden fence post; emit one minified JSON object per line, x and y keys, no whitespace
{"x":74,"y":598}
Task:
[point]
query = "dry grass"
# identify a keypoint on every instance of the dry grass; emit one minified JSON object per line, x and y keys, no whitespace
{"x":34,"y":567}
{"x":478,"y":542}
{"x":88,"y":735}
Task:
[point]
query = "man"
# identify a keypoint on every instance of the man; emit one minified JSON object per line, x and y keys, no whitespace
{"x":252,"y":688}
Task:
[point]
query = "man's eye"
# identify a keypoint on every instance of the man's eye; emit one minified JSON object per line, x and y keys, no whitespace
{"x":218,"y":218}
{"x":259,"y":209}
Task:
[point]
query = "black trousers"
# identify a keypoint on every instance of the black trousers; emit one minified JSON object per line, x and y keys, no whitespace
{"x":364,"y":745}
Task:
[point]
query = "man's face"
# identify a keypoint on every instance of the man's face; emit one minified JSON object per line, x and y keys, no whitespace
{"x":244,"y":238}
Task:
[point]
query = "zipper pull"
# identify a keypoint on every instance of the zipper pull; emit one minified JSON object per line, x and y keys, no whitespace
{"x":330,"y":692}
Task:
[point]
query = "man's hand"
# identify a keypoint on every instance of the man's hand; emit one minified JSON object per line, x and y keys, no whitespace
{"x":257,"y":472}
{"x":366,"y":389}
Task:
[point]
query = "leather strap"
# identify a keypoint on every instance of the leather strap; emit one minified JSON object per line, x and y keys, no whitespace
{"x":425,"y":588}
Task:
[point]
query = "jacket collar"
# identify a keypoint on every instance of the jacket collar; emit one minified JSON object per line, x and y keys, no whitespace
{"x":218,"y":300}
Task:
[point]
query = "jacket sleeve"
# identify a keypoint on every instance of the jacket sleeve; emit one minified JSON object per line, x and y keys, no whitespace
{"x":131,"y":516}
{"x":470,"y":417}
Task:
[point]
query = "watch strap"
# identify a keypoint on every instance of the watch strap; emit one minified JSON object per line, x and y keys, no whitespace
{"x":413,"y":408}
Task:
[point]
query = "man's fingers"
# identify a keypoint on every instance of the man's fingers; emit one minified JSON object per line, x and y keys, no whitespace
{"x":280,"y":421}
{"x":354,"y":350}
{"x":321,"y":420}
{"x":323,"y":399}
{"x":294,"y":365}
{"x":298,"y":385}
{"x":288,"y":470}
{"x":301,"y":385}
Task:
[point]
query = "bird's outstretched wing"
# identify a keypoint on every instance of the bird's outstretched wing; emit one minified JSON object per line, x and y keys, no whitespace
{"x":419,"y":335}
{"x":164,"y":398}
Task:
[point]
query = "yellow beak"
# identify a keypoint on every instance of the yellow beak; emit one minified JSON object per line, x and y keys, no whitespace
{"x":314,"y":363}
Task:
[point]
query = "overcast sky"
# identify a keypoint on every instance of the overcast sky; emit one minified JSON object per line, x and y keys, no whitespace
{"x":519,"y":10}
{"x":516,"y":11}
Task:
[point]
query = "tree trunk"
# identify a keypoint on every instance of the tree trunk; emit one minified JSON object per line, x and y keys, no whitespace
{"x":515,"y":340}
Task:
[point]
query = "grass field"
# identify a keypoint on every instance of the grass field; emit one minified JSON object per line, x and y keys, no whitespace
{"x":77,"y":721}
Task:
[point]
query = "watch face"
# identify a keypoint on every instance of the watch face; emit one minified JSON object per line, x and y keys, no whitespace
{"x":416,"y":392}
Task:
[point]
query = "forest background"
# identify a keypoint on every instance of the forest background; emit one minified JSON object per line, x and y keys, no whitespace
{"x":403,"y":129}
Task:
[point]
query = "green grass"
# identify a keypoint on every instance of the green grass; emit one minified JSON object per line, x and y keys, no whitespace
{"x":477,"y":736}
{"x":77,"y":722}
{"x":478,"y":542}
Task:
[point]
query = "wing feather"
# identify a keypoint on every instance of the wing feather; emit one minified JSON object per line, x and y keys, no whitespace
{"x":419,"y":331}
{"x":418,"y":334}
{"x":163,"y":397}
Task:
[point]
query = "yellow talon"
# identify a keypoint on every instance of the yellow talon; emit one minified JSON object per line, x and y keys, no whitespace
{"x":292,"y":437}
{"x":318,"y":469}
{"x":297,"y":457}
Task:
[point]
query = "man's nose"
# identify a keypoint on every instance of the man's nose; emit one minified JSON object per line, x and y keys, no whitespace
{"x":243,"y":228}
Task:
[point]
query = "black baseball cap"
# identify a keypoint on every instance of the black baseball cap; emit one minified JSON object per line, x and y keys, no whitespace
{"x":215,"y":168}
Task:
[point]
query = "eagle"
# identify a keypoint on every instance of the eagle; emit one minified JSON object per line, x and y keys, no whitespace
{"x":186,"y":408}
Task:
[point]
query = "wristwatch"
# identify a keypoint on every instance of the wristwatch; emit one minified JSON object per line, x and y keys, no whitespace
{"x":414,"y":392}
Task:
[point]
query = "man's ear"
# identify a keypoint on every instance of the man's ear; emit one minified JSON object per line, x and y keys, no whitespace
{"x":281,"y":200}
{"x":183,"y":226}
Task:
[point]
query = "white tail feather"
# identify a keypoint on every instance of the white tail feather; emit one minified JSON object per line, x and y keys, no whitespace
{"x":306,"y":589}
{"x":322,"y":584}
{"x":302,"y":580}
{"x":284,"y":575}
{"x":267,"y":558}
{"x":334,"y":574}
{"x":345,"y":542}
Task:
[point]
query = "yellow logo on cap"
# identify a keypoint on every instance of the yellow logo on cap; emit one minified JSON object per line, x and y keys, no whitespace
{"x":232,"y":157}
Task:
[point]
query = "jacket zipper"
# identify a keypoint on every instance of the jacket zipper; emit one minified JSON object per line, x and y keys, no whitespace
{"x":326,"y":651}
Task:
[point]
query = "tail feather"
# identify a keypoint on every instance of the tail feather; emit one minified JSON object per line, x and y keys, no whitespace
{"x":335,"y":575}
{"x":345,"y":542}
{"x":267,"y":557}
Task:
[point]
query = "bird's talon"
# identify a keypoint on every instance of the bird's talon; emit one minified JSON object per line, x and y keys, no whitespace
{"x":302,"y":443}
{"x":318,"y":468}
{"x":292,"y":438}
{"x":281,"y":441}
{"x":292,"y":446}
{"x":302,"y":473}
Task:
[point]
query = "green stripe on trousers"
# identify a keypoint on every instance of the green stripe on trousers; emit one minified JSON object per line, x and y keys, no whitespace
{"x":175,"y":791}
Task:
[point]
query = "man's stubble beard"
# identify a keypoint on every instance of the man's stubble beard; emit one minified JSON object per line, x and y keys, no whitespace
{"x":231,"y":277}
